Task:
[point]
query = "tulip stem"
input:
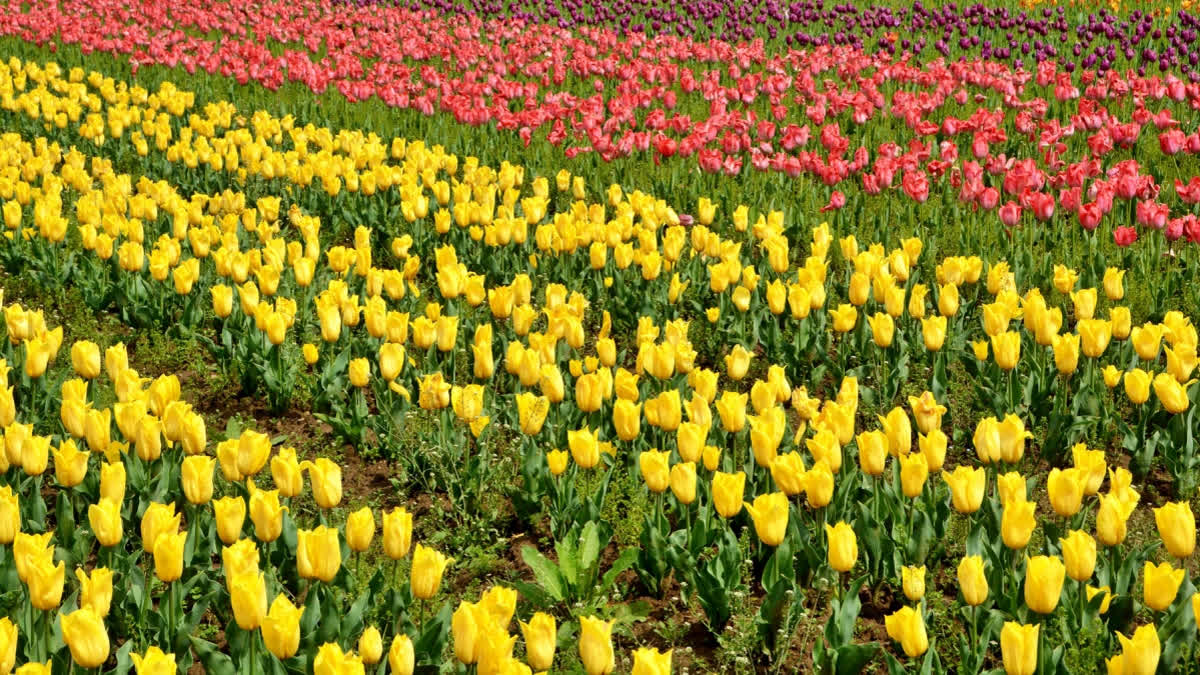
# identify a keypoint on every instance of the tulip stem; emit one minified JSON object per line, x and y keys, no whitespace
{"x":46,"y":623}
{"x":253,"y":653}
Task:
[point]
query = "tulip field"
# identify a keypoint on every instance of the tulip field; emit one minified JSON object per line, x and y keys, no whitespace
{"x":599,"y":336}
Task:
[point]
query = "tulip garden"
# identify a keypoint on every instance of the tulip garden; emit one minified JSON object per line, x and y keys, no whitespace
{"x":599,"y":336}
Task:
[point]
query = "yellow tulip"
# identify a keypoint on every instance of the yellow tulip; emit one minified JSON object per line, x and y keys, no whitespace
{"x":153,"y":661}
{"x":1172,"y":394}
{"x":825,"y":448}
{"x":843,"y":546}
{"x":1079,"y":554}
{"x":933,"y":447}
{"x":927,"y":412}
{"x":683,"y":482}
{"x":330,"y":660}
{"x":1066,"y":353}
{"x":281,"y":628}
{"x":595,"y":645}
{"x":972,"y":580}
{"x":933,"y":330}
{"x":1137,"y":385}
{"x":427,"y":568}
{"x":883,"y":329}
{"x":1092,"y":592}
{"x":370,"y":646}
{"x":727,"y":490}
{"x":1017,"y":523}
{"x":1160,"y":585}
{"x":1139,"y":654}
{"x":1114,"y":283}
{"x":96,"y":590}
{"x":401,"y":657}
{"x":770,"y":515}
{"x":1094,"y":334}
{"x":85,"y":359}
{"x":83,"y":631}
{"x":844,"y":318}
{"x":1006,"y":348}
{"x":737,"y":362}
{"x":914,"y":470}
{"x":248,"y":595}
{"x":318,"y":553}
{"x":197,"y":478}
{"x":731,"y":407}
{"x":1112,"y":376}
{"x":45,"y":581}
{"x":655,"y":469}
{"x":541,"y":638}
{"x":1111,"y":519}
{"x":787,"y":471}
{"x":105,"y":520}
{"x":158,"y":519}
{"x":1043,"y":583}
{"x":648,"y":661}
{"x":872,"y":452}
{"x":230,"y":514}
{"x":1065,"y":488}
{"x":1019,"y":648}
{"x":1147,"y":341}
{"x":967,"y":487}
{"x":326,"y":479}
{"x":168,"y":555}
{"x":818,"y":485}
{"x":286,"y":472}
{"x":70,"y":464}
{"x":1093,"y":466}
{"x":907,"y":626}
{"x":1177,"y":528}
{"x":531,"y":411}
{"x":948,"y":300}
{"x":360,"y":530}
{"x":397,"y":532}
{"x":913,"y":582}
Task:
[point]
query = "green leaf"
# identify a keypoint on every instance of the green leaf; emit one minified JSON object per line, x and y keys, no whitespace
{"x":626,"y":560}
{"x":213,"y":660}
{"x":545,"y":572}
{"x":853,"y":659}
{"x":589,"y":552}
{"x":432,"y":641}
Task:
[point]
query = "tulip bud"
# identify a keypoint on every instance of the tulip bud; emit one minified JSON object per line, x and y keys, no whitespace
{"x":96,"y":591}
{"x":1017,"y":523}
{"x":595,"y":646}
{"x":427,"y":568}
{"x":401,"y":657}
{"x":168,"y":555}
{"x":370,"y":645}
{"x":1161,"y":585}
{"x":1139,"y":654}
{"x":907,"y":626}
{"x":281,"y":628}
{"x":972,"y":580}
{"x":397,"y":533}
{"x":843,"y":546}
{"x":83,"y":631}
{"x":318,"y":553}
{"x":770,"y":515}
{"x":541,"y":638}
{"x":248,"y":595}
{"x":1177,"y":528}
{"x":1019,"y":648}
{"x":197,"y":478}
{"x":360,"y":529}
{"x":1043,"y":583}
{"x":153,"y":661}
{"x":913,"y":582}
